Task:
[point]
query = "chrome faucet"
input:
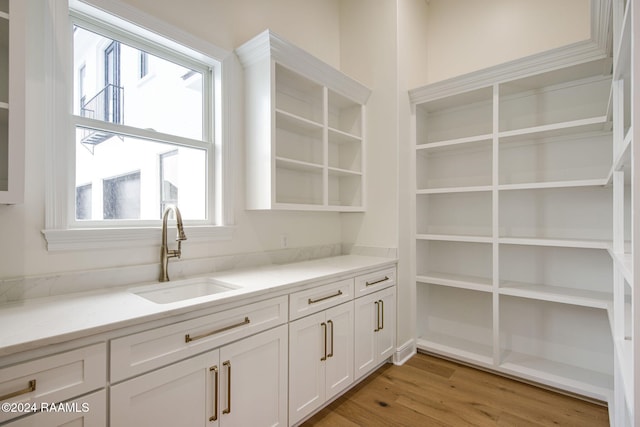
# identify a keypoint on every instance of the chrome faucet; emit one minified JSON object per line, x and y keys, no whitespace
{"x":165,"y":252}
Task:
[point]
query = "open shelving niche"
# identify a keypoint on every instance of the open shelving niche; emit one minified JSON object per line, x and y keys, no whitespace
{"x":305,"y":130}
{"x":513,"y":224}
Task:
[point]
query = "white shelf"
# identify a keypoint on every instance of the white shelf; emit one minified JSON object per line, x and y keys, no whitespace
{"x":558,"y":294}
{"x":480,"y":188}
{"x":4,"y":106}
{"x":455,"y":238}
{"x":590,"y":124}
{"x":598,"y":182}
{"x":297,"y":165}
{"x":453,"y":142}
{"x":624,"y":263}
{"x":560,"y":375}
{"x":459,"y":349}
{"x":621,"y":51}
{"x":4,"y":15}
{"x":473,"y":283}
{"x":564,"y":243}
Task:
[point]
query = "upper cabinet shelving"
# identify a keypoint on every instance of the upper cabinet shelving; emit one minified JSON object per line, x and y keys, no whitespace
{"x":11,"y":101}
{"x":305,"y":130}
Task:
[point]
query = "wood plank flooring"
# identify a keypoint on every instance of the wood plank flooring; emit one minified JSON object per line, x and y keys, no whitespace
{"x":429,"y":391}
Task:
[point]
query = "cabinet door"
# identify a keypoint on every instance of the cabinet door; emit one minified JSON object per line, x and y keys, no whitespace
{"x":374,"y":329}
{"x":366,"y":326}
{"x":339,"y":363}
{"x":386,"y":335}
{"x":178,"y":395}
{"x":306,"y":365}
{"x":90,"y":410}
{"x":253,"y":381}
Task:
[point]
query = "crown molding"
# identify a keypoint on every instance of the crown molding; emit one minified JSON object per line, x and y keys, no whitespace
{"x":269,"y":45}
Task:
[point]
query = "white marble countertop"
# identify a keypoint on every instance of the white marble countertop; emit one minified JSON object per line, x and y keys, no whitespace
{"x":37,"y":322}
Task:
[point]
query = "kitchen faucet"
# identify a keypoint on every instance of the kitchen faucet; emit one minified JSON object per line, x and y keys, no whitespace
{"x":165,"y":252}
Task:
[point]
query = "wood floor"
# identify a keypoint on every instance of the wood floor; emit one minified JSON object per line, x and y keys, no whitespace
{"x":428,"y":391}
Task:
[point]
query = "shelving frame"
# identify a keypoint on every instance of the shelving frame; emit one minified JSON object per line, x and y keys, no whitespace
{"x":626,"y":238}
{"x":305,"y":133}
{"x":12,"y":95}
{"x":513,"y":221}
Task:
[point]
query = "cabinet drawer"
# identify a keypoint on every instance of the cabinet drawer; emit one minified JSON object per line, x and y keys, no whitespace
{"x":371,"y":282}
{"x":144,"y":351}
{"x":319,"y":298}
{"x":52,"y":379}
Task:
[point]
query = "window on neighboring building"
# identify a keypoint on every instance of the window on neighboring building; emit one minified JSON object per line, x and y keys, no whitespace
{"x":122,"y":126}
{"x":84,"y":194}
{"x":144,"y":64}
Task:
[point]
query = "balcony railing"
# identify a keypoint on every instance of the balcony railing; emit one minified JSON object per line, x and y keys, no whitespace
{"x":106,"y":105}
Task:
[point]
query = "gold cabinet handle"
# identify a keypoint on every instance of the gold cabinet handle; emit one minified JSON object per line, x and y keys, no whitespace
{"x":228,"y":365}
{"x":330,"y":322}
{"x":189,"y":338}
{"x":313,"y":301}
{"x":376,"y":303}
{"x":214,"y":369}
{"x":324,"y":326}
{"x":381,"y":315}
{"x":31,"y":387}
{"x":377,"y":281}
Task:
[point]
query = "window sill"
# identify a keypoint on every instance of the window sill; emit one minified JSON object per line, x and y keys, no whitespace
{"x":113,"y":238}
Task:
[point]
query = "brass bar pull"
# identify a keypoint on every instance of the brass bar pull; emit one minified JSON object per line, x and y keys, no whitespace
{"x":377,"y":281}
{"x":324,"y":325}
{"x":377,"y":317}
{"x":381,"y":314}
{"x":330,"y":322}
{"x":189,"y":338}
{"x":228,"y":410}
{"x":313,"y":301}
{"x":29,"y":389}
{"x":214,"y":369}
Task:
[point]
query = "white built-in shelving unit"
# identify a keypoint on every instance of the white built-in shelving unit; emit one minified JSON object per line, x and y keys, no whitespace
{"x":12,"y":101}
{"x":626,"y":208}
{"x":513,"y":222}
{"x":305,"y":125}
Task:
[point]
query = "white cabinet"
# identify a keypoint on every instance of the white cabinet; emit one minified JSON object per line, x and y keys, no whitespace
{"x":26,"y":386}
{"x":375,"y":326}
{"x":12,"y":94}
{"x":320,"y":359}
{"x":305,"y":126}
{"x":240,"y":384}
{"x":513,"y":220}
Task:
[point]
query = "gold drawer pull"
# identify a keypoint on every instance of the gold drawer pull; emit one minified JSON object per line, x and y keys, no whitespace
{"x":214,"y":369}
{"x":228,"y":365}
{"x":189,"y":338}
{"x":330,"y":322}
{"x":377,"y":281}
{"x":324,"y":328}
{"x":377,"y":304}
{"x":29,"y":389}
{"x":313,"y":301}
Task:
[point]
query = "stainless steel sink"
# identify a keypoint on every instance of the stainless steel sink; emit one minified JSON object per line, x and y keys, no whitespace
{"x":181,"y":290}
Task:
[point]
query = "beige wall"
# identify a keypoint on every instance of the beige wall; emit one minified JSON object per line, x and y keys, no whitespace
{"x":468,"y":35}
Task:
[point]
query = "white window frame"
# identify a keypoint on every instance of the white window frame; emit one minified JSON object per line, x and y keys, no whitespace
{"x":62,"y":230}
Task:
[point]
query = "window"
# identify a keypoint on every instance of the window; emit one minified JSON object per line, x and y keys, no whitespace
{"x":131,"y":125}
{"x":135,"y":147}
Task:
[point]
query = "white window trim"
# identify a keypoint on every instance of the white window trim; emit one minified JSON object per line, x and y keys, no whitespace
{"x":59,"y":232}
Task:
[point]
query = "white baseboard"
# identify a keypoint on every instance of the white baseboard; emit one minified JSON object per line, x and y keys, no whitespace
{"x":405,"y":352}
